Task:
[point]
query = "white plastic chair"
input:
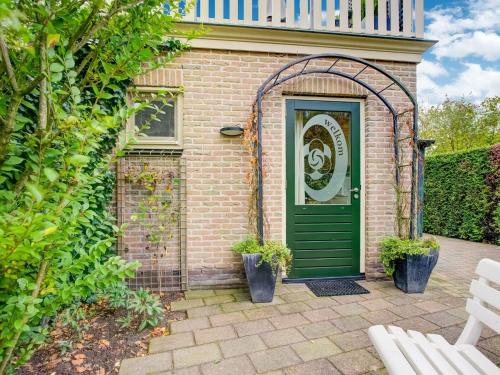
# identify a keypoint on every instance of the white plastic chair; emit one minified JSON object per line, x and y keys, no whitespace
{"x":408,"y":353}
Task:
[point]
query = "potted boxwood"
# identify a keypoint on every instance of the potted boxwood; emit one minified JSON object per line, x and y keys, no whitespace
{"x":409,"y":262}
{"x":262,"y":264}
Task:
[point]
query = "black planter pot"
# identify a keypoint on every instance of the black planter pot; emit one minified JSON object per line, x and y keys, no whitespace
{"x":261,"y":279}
{"x":412,"y":273}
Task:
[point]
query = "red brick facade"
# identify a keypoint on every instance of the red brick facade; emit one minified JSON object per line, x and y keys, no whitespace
{"x":219,"y":88}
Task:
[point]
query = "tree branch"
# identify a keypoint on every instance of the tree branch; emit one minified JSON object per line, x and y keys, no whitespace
{"x":7,"y":130}
{"x":42,"y":271}
{"x":98,"y":26}
{"x":83,"y":27}
{"x":30,"y":86}
{"x":8,"y":65}
{"x":85,"y":61}
{"x":44,"y":72}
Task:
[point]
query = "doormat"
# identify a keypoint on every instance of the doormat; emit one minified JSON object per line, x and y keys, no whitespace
{"x":325,"y":288}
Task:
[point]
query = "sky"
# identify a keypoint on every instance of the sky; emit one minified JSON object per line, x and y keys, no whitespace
{"x":466,"y":60}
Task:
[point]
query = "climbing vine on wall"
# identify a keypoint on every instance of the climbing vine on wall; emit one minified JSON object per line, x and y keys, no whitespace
{"x":250,"y":141}
{"x":156,"y":211}
{"x":402,"y":167}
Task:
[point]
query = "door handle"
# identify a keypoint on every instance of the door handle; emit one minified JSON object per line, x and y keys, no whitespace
{"x":354,"y":190}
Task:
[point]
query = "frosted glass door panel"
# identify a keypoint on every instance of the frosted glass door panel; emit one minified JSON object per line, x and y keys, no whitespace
{"x":323,"y":157}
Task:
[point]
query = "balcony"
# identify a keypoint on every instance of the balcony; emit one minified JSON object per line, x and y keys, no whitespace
{"x":391,"y":18}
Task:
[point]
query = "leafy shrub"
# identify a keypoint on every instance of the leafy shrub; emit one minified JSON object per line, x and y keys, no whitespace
{"x":64,"y":73}
{"x":249,"y":245}
{"x":142,"y":308}
{"x":393,"y":248}
{"x":71,"y":317}
{"x":272,"y":252}
{"x":462,"y":195}
{"x":460,"y":124}
{"x":492,"y":220}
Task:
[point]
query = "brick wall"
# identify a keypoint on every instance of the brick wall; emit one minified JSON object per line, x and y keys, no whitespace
{"x":219,"y":89}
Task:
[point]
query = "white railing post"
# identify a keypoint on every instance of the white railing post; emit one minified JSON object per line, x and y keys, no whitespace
{"x":344,"y":15}
{"x":191,"y":14}
{"x":304,"y":17}
{"x":330,"y":15}
{"x":382,"y":17}
{"x":356,"y":16}
{"x":233,"y":11}
{"x":247,"y":11}
{"x":369,"y":13}
{"x":394,"y":17}
{"x":317,"y":14}
{"x":290,"y":13}
{"x":419,"y":18}
{"x":407,"y":10}
{"x":219,"y":10}
{"x":276,"y":12}
{"x":263,"y":12}
{"x":204,"y":10}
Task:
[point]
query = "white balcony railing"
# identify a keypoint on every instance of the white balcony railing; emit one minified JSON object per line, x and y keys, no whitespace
{"x":403,"y":18}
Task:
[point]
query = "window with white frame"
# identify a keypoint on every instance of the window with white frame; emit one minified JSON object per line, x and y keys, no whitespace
{"x":159,"y":124}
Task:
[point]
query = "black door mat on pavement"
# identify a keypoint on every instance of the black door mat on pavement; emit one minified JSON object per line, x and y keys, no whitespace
{"x":339,"y":287}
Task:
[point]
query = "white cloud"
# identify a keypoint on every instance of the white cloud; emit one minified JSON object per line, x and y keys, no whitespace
{"x":470,"y":33}
{"x":485,"y":45}
{"x":480,"y":15}
{"x":442,"y":23}
{"x":431,"y":69}
{"x":429,"y":93}
{"x":474,"y":83}
{"x":485,"y":14}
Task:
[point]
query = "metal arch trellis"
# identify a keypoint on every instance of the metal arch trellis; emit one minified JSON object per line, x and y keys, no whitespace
{"x":280,"y":77}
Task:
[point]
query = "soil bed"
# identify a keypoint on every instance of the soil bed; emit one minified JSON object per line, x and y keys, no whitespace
{"x":99,"y":348}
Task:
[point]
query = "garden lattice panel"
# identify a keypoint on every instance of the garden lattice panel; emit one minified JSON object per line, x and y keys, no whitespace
{"x":150,"y":199}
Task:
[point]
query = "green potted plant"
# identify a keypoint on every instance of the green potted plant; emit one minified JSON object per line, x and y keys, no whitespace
{"x":409,"y":262}
{"x":262,"y":264}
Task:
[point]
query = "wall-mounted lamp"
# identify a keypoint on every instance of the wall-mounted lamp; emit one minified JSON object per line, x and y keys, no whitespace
{"x":231,"y":131}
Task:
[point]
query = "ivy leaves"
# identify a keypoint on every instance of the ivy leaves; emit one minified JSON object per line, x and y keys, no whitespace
{"x":62,"y":106}
{"x":51,"y":174}
{"x":35,"y":192}
{"x":79,"y":160}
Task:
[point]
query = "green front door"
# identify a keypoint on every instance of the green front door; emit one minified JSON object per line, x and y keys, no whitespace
{"x":323,"y":188}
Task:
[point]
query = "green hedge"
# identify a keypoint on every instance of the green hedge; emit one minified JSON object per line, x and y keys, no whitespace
{"x":462,"y":194}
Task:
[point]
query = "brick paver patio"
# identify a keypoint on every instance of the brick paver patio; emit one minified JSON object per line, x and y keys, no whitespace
{"x":299,"y":333}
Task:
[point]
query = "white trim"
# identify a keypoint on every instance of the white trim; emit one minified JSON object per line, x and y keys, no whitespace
{"x":304,"y":42}
{"x":362,"y":195}
{"x":144,"y":142}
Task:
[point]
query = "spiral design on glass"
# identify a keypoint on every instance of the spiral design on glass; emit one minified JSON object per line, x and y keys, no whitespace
{"x":316,"y":159}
